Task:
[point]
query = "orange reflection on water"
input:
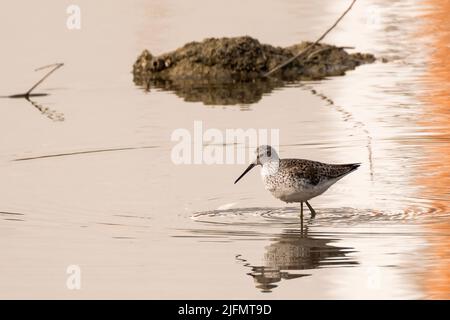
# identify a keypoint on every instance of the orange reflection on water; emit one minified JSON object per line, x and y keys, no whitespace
{"x":435,"y":177}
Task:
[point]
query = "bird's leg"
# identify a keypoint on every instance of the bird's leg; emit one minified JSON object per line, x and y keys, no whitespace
{"x":301,"y":217}
{"x":313,"y":212}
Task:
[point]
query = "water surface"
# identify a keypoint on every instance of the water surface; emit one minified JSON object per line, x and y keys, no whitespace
{"x":87,"y":178}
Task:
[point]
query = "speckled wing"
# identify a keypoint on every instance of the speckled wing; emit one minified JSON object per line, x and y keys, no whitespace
{"x":315,"y":172}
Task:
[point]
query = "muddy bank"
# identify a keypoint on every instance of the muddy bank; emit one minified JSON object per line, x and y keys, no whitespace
{"x":228,"y":70}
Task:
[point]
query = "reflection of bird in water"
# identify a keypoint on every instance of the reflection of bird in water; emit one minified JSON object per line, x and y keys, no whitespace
{"x":297,"y":180}
{"x":294,"y":251}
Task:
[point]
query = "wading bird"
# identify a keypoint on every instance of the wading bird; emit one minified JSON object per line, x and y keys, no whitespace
{"x":296,"y":180}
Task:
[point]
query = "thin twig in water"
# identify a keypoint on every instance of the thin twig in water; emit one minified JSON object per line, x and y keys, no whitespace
{"x":51,"y":114}
{"x":56,"y":66}
{"x":301,"y":53}
{"x":28,"y":94}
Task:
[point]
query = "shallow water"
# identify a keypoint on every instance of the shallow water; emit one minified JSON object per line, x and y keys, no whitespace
{"x":87,"y":178}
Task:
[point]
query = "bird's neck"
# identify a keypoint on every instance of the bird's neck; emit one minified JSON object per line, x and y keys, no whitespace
{"x":270,"y":167}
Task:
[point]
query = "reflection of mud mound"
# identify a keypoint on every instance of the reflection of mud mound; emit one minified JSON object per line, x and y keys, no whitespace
{"x":292,"y":252}
{"x":229,"y":62}
{"x":211,"y":93}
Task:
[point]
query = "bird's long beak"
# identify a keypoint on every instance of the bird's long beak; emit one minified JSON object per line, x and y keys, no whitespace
{"x":250,"y":167}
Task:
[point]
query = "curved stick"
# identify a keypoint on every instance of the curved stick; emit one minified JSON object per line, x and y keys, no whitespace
{"x":311,"y":45}
{"x":314,"y":53}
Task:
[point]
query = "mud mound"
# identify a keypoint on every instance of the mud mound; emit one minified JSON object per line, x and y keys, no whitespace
{"x":242,"y":59}
{"x":229,"y":71}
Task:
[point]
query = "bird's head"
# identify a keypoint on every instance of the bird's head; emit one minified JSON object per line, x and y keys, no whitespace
{"x":264,"y":153}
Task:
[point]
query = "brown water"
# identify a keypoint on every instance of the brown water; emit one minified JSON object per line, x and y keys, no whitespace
{"x":97,"y":188}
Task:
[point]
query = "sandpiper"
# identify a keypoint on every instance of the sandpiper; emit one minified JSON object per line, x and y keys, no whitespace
{"x":296,"y":180}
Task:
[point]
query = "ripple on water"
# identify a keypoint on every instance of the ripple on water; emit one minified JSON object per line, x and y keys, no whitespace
{"x":289,"y":216}
{"x":292,"y":251}
{"x":12,"y":216}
